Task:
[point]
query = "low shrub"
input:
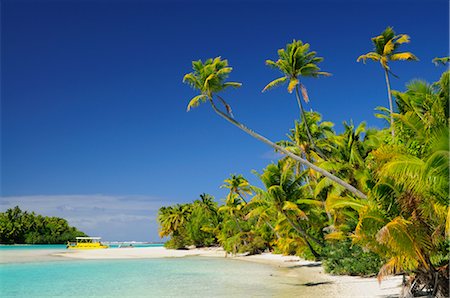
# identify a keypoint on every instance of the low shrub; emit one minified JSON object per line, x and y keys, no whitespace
{"x":345,"y":258}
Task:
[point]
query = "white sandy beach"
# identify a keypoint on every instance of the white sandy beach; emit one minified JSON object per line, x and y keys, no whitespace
{"x":297,"y":272}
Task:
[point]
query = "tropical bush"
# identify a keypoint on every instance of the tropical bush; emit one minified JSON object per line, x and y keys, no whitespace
{"x":343,"y":257}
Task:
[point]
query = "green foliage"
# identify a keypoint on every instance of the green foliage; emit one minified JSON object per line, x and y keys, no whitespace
{"x":384,"y":190}
{"x":21,"y":227}
{"x":343,"y":258}
{"x":189,"y":224}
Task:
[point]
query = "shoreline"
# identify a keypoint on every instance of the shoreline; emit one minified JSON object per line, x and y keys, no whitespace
{"x":295,"y":271}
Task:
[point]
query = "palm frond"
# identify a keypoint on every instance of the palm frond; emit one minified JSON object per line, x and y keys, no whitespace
{"x":304,"y":93}
{"x":232,"y":84}
{"x":292,"y":83}
{"x":195,"y":101}
{"x":371,"y":55}
{"x":441,"y":61}
{"x":388,"y":47}
{"x":337,"y":235}
{"x":402,"y":38}
{"x":403,"y":57}
{"x":275,"y":83}
{"x":337,"y":202}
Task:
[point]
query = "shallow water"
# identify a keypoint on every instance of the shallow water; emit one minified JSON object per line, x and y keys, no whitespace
{"x":177,"y":277}
{"x":63,"y":246}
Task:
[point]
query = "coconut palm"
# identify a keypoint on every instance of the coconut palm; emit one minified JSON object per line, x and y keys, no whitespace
{"x":285,"y":191}
{"x":233,"y":208}
{"x":298,"y":142}
{"x":261,"y":208}
{"x":295,"y":62}
{"x":172,"y":219}
{"x":386,"y":49}
{"x":203,"y":221}
{"x":209,"y":78}
{"x":238,"y":185}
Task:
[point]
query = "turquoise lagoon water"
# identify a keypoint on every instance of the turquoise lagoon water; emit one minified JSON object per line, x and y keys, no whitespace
{"x":63,"y":246}
{"x":170,"y":277}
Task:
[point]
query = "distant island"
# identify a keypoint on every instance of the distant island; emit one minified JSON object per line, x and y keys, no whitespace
{"x":22,"y":227}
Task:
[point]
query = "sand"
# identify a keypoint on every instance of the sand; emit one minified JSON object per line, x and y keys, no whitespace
{"x":300,"y":276}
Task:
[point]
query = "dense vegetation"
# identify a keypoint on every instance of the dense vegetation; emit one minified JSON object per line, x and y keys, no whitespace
{"x":363,"y":200}
{"x":21,"y":227}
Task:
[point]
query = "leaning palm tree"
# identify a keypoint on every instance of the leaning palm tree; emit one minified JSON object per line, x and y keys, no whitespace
{"x":386,"y":49}
{"x":294,"y":62}
{"x":209,"y":78}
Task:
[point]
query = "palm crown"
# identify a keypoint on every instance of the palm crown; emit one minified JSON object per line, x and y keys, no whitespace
{"x":386,"y":48}
{"x":209,"y":78}
{"x":294,"y":62}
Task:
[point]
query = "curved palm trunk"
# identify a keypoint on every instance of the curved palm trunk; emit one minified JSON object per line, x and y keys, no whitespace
{"x":305,"y":236}
{"x":302,"y":232}
{"x":238,"y":226}
{"x":272,"y":228}
{"x":391,"y":108}
{"x":241,"y":197}
{"x":307,"y":163}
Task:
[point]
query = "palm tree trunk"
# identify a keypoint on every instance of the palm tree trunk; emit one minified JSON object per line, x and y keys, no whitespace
{"x":241,"y":197}
{"x":297,"y":95}
{"x":305,"y":237}
{"x":391,"y":108}
{"x":239,"y":227}
{"x":272,"y":228}
{"x":257,"y":136}
{"x":302,"y":232}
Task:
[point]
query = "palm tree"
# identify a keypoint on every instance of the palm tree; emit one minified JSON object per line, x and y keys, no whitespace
{"x":172,"y":219}
{"x":209,"y":78}
{"x":386,"y":49}
{"x":298,"y":142}
{"x":294,"y":62}
{"x":233,"y":217}
{"x":261,"y":208}
{"x":238,"y":185}
{"x":284,"y":190}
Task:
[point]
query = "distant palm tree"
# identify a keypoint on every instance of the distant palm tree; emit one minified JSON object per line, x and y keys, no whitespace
{"x":385,"y":50}
{"x":238,"y":185}
{"x":172,"y":219}
{"x":294,"y":62}
{"x":209,"y":78}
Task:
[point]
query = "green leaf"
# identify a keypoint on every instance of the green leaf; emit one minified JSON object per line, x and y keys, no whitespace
{"x":275,"y":83}
{"x":195,"y":101}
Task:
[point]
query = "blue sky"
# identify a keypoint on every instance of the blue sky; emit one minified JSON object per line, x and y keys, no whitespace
{"x":93,"y":110}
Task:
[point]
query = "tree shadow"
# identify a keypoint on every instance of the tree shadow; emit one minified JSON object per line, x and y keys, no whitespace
{"x":313,"y":284}
{"x":310,"y":284}
{"x":306,"y":265}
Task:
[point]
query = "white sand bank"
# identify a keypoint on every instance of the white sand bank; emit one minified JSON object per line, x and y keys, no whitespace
{"x":141,"y":253}
{"x":339,"y":286}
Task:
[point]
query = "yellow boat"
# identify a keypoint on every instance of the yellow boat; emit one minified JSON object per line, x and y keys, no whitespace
{"x":86,"y":243}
